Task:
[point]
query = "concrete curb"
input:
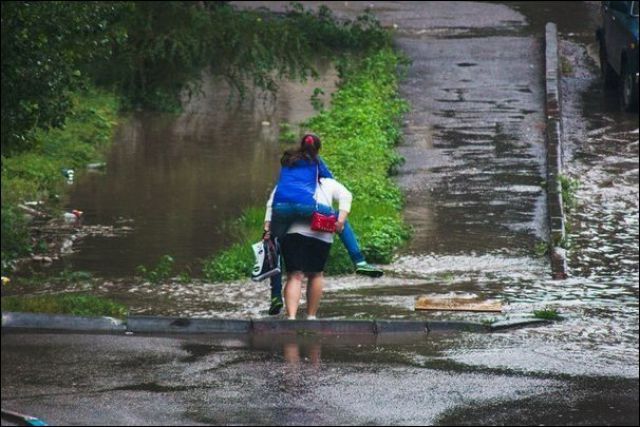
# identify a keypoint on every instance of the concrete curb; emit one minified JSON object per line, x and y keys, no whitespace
{"x":553,"y":140}
{"x":153,"y":324}
{"x":518,"y":323}
{"x":182,"y":325}
{"x":445,"y":326}
{"x":62,"y":322}
{"x":400,"y":326}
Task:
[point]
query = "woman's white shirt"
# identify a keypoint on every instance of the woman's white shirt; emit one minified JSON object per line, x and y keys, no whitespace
{"x":327,"y":192}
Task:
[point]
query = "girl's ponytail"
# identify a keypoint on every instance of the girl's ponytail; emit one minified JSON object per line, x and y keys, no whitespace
{"x":308,"y":150}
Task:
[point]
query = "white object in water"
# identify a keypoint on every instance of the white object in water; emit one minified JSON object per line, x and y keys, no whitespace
{"x":73,"y":216}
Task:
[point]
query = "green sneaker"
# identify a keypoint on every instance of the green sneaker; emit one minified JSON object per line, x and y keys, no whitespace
{"x":366,"y":269}
{"x":276,"y":306}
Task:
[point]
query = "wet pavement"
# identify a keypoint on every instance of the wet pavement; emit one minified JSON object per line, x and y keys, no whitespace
{"x":138,"y":380}
{"x":473,"y":179}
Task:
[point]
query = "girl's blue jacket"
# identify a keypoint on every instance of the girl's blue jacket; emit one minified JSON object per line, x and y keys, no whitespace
{"x":297,"y":183}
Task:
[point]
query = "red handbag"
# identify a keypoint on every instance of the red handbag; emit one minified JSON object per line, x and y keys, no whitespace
{"x":321,"y":222}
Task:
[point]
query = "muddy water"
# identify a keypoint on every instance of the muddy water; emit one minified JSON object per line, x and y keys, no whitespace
{"x":176,"y":180}
{"x":475,"y":164}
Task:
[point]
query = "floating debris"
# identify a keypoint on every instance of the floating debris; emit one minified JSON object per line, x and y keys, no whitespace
{"x":69,"y":174}
{"x":72,"y":217}
{"x":96,"y":166}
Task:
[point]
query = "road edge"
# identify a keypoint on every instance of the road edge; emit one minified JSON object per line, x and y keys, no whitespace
{"x":553,"y":143}
{"x":12,"y":321}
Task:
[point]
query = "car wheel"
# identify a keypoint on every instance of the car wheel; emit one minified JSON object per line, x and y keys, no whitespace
{"x":628,"y":89}
{"x":608,"y":75}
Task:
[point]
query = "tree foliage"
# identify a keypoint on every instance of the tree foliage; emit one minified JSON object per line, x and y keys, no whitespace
{"x":152,"y":51}
{"x":45,"y":46}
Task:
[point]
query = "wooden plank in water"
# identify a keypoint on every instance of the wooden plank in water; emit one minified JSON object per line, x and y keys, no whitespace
{"x":456,"y":304}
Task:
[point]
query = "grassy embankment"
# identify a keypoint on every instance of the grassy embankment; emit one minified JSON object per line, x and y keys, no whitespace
{"x":359,"y":133}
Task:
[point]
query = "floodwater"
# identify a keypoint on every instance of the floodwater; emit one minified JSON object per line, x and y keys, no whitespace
{"x":174,"y":181}
{"x":473,"y":180}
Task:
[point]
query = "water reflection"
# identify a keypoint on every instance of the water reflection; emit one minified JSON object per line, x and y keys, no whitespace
{"x":308,"y":353}
{"x":178,"y":179}
{"x":291,"y":352}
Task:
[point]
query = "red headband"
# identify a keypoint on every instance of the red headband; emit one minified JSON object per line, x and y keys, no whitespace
{"x":308,"y":139}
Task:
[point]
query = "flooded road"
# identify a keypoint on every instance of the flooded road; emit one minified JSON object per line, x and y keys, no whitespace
{"x":473,"y":180}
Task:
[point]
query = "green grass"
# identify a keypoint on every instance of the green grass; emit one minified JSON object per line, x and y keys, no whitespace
{"x":73,"y":304}
{"x":359,"y":133}
{"x":541,"y":249}
{"x":237,"y":261}
{"x":547,"y":314}
{"x":36,"y":174}
{"x":162,"y":271}
{"x":569,"y":187}
{"x":565,"y":66}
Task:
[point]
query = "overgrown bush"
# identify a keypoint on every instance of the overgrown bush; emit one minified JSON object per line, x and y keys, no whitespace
{"x":46,"y":49}
{"x":150,"y":52}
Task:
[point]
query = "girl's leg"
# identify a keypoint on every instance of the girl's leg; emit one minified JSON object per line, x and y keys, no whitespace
{"x":284,"y":214}
{"x":279,"y":225}
{"x":292,"y":293}
{"x":350,"y":242}
{"x":348,"y":237}
{"x":276,"y":294}
{"x":314,"y":293}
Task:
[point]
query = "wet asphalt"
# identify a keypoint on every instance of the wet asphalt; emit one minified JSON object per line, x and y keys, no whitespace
{"x":473,"y":173}
{"x":297,"y":380}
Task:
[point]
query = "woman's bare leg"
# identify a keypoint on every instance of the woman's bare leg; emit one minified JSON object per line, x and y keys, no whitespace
{"x":314,"y":293}
{"x":292,"y":293}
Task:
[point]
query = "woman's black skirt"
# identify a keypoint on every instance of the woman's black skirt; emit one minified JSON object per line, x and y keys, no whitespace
{"x":303,"y":253}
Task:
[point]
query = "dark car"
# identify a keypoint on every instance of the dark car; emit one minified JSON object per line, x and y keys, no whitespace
{"x":618,"y":40}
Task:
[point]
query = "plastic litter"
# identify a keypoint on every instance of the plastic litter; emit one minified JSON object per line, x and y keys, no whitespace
{"x":69,"y":174}
{"x":73,"y":216}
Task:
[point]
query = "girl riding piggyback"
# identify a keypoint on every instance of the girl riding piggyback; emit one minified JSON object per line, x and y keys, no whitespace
{"x":294,"y":198}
